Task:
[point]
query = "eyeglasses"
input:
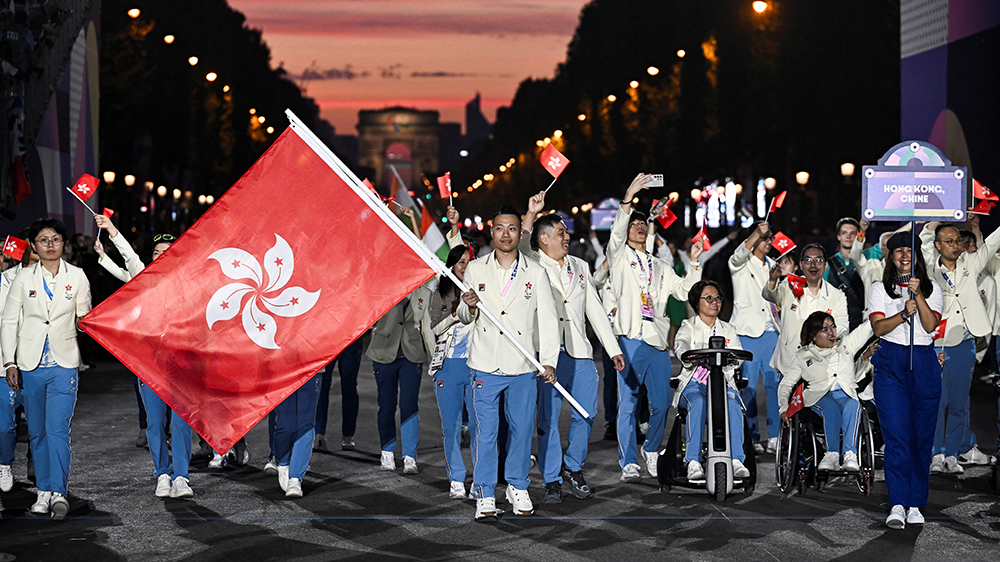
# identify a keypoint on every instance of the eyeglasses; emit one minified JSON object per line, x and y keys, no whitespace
{"x":951,"y":241}
{"x":816,"y":261}
{"x":163,"y":238}
{"x":710,"y":299}
{"x":49,"y":241}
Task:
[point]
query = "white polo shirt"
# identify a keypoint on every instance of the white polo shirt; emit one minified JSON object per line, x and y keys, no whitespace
{"x":879,"y":302}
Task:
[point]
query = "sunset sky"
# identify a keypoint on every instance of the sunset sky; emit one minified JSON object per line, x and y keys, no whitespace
{"x":370,"y":54}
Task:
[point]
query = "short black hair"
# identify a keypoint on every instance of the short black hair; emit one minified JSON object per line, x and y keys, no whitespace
{"x":543,"y":223}
{"x":962,"y":233}
{"x":694,"y":295}
{"x":41,"y":224}
{"x":848,"y":220}
{"x":507,"y":210}
{"x":812,"y":325}
{"x":942,"y":226}
{"x":813,"y":246}
{"x":636,"y":216}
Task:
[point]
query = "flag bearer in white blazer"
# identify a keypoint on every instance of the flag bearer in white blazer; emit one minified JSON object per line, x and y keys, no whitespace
{"x":576,"y":302}
{"x":516,"y":290}
{"x":757,"y":324}
{"x":38,"y":339}
{"x":642,"y":284}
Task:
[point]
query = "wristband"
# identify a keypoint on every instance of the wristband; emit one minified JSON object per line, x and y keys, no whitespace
{"x":695,"y":264}
{"x":902,"y":314}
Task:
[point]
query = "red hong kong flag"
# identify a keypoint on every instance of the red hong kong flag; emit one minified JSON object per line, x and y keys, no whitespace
{"x":86,"y":186}
{"x":941,"y":327}
{"x":795,"y":402}
{"x":797,"y":284}
{"x":553,"y":161}
{"x":108,"y":212}
{"x":14,"y":247}
{"x":444,"y":185}
{"x":777,"y":202}
{"x":984,"y":207}
{"x":703,"y":236}
{"x":980,"y":191}
{"x":666,"y":216}
{"x":250,"y":304}
{"x":782,"y":243}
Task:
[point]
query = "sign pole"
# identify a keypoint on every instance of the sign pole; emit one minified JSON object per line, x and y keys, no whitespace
{"x":913,"y":270}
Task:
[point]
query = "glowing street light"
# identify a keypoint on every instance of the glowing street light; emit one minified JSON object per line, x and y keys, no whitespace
{"x":201,"y":199}
{"x":261,"y":119}
{"x":847,"y":169}
{"x":209,"y":199}
{"x":696,"y":194}
{"x":759,"y":6}
{"x":802,"y":178}
{"x":161,"y":191}
{"x":253,"y":111}
{"x":633,"y":84}
{"x":681,"y":53}
{"x":581,"y":117}
{"x":652,"y":71}
{"x":134,"y":13}
{"x":177,"y":194}
{"x":612,"y":98}
{"x":192,"y":60}
{"x":770,"y":183}
{"x":225,"y":89}
{"x":149,"y":186}
{"x":168,"y":39}
{"x":211,"y":76}
{"x":130,"y":180}
{"x":109,"y":177}
{"x":270,"y":130}
{"x":557,"y":134}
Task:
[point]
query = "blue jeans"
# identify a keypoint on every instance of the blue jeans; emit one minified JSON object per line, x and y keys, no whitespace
{"x":159,"y":416}
{"x":520,"y":396}
{"x":648,"y":366}
{"x":579,"y":377}
{"x":398,"y":382}
{"x":10,"y":399}
{"x":762,"y":349}
{"x":907,"y":411}
{"x":840,"y":412}
{"x":350,"y":363}
{"x":956,"y":383}
{"x":294,"y":428}
{"x":696,"y":394}
{"x":453,"y":388}
{"x":49,"y":399}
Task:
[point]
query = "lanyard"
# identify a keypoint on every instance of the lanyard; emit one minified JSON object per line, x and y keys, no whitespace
{"x":947,"y":280}
{"x":643,"y":271}
{"x":48,"y":291}
{"x":510,"y":282}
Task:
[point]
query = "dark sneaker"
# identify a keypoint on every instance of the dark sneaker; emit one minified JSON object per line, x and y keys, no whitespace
{"x":577,"y":485}
{"x":609,"y":432}
{"x":553,"y":493}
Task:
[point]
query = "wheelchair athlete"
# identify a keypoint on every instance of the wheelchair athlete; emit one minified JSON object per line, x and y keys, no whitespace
{"x":828,"y":369}
{"x":706,"y":298}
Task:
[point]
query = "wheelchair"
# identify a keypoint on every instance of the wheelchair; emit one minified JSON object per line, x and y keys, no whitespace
{"x":719,"y":478}
{"x":801,"y":447}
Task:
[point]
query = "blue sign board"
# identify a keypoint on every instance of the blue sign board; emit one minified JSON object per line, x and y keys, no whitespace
{"x":914,"y":182}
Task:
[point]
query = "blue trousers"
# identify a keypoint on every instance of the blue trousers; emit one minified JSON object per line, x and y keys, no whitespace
{"x":762,"y":349}
{"x":10,"y":399}
{"x":644,"y":366}
{"x":398,"y":382}
{"x":138,"y":398}
{"x":956,"y":383}
{"x":520,"y":396}
{"x":349,"y":361}
{"x":49,"y":399}
{"x":696,"y":395}
{"x":907,"y":411}
{"x":294,"y":428}
{"x":579,"y":377}
{"x":840,"y":412}
{"x":159,"y":416}
{"x":453,"y":388}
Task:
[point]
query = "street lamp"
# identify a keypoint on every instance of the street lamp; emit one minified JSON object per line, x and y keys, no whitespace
{"x":168,"y":39}
{"x":581,"y":117}
{"x":652,"y":71}
{"x":192,"y":60}
{"x":770,"y":183}
{"x":109,"y":177}
{"x":177,"y":194}
{"x":209,"y":199}
{"x":847,"y":169}
{"x":802,"y":178}
{"x":130,"y":180}
{"x":161,"y":191}
{"x":612,"y":98}
{"x":759,"y":6}
{"x":211,"y":76}
{"x":134,"y":13}
{"x":633,"y":84}
{"x":680,"y":53}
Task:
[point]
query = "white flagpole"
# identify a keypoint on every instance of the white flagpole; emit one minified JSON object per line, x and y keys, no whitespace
{"x":411,"y":240}
{"x":551,"y":184}
{"x":81,"y":200}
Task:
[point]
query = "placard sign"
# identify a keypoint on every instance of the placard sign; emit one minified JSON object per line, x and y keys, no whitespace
{"x":914,"y":182}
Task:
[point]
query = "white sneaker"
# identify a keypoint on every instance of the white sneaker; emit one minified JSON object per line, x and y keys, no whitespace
{"x":631,"y":473}
{"x":850,"y":463}
{"x":951,"y":466}
{"x":897,"y":518}
{"x":520,"y":501}
{"x":181,"y":488}
{"x":283,"y":478}
{"x":58,"y":506}
{"x":695,"y":471}
{"x":758,"y":449}
{"x":487,"y":507}
{"x":651,"y":459}
{"x":914,"y":517}
{"x":740,"y":471}
{"x":937,"y":464}
{"x":457,"y":491}
{"x":6,"y":478}
{"x":772,"y":445}
{"x":163,"y":486}
{"x":218,"y":461}
{"x":973,"y":456}
{"x":294,"y":488}
{"x":831,"y":461}
{"x":41,"y":505}
{"x":409,"y":465}
{"x":271,"y":467}
{"x":388,"y":461}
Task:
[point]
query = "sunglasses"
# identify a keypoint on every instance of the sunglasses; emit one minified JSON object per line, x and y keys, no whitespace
{"x":164,"y":238}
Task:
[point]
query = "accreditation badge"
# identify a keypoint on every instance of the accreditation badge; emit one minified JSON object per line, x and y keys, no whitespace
{"x":647,"y":307}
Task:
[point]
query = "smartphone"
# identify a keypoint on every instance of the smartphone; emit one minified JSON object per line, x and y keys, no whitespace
{"x":656,"y":181}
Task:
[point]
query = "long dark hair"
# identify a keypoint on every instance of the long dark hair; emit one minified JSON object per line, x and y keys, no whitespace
{"x":446,"y":286}
{"x":812,"y":325}
{"x":917,"y":267}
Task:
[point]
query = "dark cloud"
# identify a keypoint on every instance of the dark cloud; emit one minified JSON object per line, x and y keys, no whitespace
{"x":346,"y":73}
{"x":443,"y":74}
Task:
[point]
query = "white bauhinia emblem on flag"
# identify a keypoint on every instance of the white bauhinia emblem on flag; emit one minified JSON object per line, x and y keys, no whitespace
{"x":227,"y":302}
{"x":83,"y":188}
{"x":555,"y":162}
{"x":10,"y":247}
{"x":782,"y":244}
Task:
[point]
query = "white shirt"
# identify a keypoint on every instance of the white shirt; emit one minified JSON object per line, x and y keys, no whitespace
{"x":881,"y":303}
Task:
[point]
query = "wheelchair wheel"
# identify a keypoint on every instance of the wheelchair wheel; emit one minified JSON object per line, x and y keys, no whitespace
{"x":807,"y":457}
{"x":786,"y":457}
{"x":866,"y":454}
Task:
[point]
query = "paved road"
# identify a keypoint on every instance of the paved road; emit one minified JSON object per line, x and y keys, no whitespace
{"x":351,"y":510}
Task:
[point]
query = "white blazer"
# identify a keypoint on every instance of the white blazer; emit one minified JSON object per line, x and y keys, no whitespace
{"x":29,"y":316}
{"x":794,"y":312}
{"x":869,"y":270}
{"x":963,"y":305}
{"x":399,"y":328}
{"x":750,"y":275}
{"x":625,"y":273}
{"x":694,"y":334}
{"x":528,"y":309}
{"x":133,"y":265}
{"x":994,"y":269}
{"x":811,"y":364}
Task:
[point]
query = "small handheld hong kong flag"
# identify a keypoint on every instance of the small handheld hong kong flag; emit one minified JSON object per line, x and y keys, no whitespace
{"x":444,"y":185}
{"x":777,"y":202}
{"x":795,"y":402}
{"x":980,"y":191}
{"x":666,"y":216}
{"x":797,"y":284}
{"x":703,"y":236}
{"x":85,"y":187}
{"x":553,"y":161}
{"x":941,"y":327}
{"x":108,"y":212}
{"x":983,"y":208}
{"x":782,"y":243}
{"x":14,"y":247}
